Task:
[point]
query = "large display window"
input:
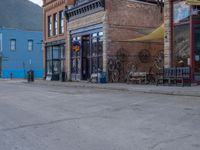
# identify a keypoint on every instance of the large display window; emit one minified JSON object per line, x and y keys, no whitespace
{"x":181,"y":45}
{"x":55,"y":57}
{"x":181,"y":30}
{"x":89,"y":59}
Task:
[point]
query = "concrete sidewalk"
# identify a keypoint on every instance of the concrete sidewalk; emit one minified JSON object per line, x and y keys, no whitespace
{"x":167,"y":90}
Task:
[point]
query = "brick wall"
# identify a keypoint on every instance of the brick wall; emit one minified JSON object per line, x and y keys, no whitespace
{"x":51,"y":7}
{"x":130,"y":20}
{"x":122,"y":21}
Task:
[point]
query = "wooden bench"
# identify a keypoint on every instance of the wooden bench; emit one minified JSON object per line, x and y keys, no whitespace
{"x":138,"y":77}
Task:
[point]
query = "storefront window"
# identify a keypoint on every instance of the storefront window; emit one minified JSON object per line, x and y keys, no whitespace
{"x":75,"y":59}
{"x":181,"y":45}
{"x":55,"y":59}
{"x":49,"y":67}
{"x":56,"y":52}
{"x":90,"y":58}
{"x":181,"y":12}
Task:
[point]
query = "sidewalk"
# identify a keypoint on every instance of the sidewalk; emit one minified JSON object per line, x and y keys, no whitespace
{"x":167,"y":90}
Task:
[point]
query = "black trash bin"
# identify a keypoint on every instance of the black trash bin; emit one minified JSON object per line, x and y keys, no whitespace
{"x":30,"y":76}
{"x":63,"y":77}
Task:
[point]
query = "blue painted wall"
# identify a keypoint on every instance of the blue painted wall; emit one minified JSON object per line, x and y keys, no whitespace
{"x":20,"y":61}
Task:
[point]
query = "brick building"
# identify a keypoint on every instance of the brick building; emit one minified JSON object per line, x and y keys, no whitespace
{"x":182,"y":24}
{"x":101,"y":27}
{"x":54,"y":37}
{"x":96,"y":37}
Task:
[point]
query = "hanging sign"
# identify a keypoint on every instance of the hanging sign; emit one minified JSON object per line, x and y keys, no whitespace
{"x":76,"y":46}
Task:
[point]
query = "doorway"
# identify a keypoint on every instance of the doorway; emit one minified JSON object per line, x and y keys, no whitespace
{"x":86,"y":57}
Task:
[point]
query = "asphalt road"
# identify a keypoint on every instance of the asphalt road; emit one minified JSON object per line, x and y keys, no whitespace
{"x":35,"y":117}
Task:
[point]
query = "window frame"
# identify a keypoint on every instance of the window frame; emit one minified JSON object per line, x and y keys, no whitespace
{"x":11,"y":45}
{"x":61,"y":22}
{"x":55,"y":24}
{"x":30,"y":40}
{"x":49,"y":25}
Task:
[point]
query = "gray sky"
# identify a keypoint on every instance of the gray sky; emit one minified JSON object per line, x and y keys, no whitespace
{"x":39,"y":2}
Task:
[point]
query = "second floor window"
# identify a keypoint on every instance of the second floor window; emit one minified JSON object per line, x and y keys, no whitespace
{"x":61,"y":22}
{"x":30,"y":45}
{"x":55,"y":24}
{"x":13,"y":44}
{"x":49,"y":26}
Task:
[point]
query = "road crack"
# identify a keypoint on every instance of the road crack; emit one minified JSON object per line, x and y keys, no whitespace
{"x":45,"y":123}
{"x":169,"y":141}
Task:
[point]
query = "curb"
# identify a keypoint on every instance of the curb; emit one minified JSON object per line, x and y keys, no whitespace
{"x":126,"y":88}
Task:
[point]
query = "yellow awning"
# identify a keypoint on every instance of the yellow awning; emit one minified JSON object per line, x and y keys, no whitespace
{"x":155,"y":35}
{"x":193,"y":2}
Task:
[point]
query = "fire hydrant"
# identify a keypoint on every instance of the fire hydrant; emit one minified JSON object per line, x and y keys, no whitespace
{"x":11,"y":76}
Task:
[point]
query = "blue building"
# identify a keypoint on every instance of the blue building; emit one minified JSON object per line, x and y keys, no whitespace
{"x":20,"y":51}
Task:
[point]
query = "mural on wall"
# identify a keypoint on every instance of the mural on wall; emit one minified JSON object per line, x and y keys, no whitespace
{"x":122,"y":66}
{"x":144,"y":55}
{"x":159,"y":60}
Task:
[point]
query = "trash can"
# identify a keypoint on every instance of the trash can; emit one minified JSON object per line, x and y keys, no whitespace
{"x":30,"y":76}
{"x":63,"y":77}
{"x":101,"y":77}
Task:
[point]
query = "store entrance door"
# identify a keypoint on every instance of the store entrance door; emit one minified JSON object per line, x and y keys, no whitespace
{"x":85,"y":57}
{"x":197,"y":52}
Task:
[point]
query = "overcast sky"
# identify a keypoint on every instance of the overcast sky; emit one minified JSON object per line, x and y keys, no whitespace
{"x":39,"y":2}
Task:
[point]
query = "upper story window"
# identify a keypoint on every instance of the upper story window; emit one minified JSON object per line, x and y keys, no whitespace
{"x":61,"y":22}
{"x":30,"y":45}
{"x":49,"y":26}
{"x":55,"y":23}
{"x":13,"y":44}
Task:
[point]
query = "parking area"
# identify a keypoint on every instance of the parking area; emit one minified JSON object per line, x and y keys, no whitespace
{"x":48,"y":117}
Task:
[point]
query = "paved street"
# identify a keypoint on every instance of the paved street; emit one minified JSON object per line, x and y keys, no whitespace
{"x":46,"y":117}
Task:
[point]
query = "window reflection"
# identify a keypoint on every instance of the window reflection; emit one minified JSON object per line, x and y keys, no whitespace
{"x":181,"y":45}
{"x":181,"y":12}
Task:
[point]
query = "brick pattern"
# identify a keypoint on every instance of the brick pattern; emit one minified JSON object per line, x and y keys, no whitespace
{"x":51,"y":7}
{"x":128,"y":21}
{"x":121,"y":20}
